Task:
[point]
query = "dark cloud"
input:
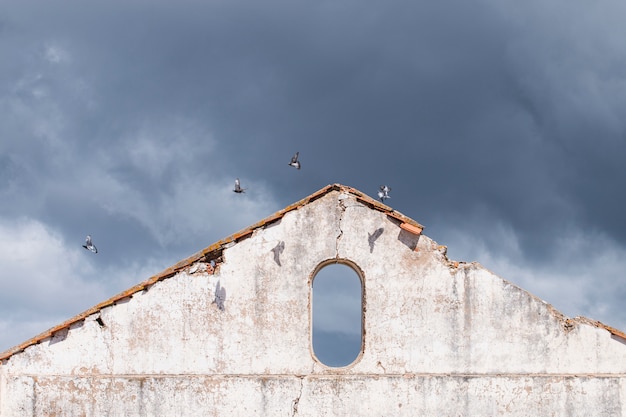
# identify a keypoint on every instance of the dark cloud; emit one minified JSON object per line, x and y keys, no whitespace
{"x":503,"y":123}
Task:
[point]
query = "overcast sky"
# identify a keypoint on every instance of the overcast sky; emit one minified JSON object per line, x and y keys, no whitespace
{"x":499,"y":125}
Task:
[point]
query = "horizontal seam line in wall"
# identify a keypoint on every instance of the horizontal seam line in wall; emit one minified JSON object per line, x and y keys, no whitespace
{"x":329,"y":375}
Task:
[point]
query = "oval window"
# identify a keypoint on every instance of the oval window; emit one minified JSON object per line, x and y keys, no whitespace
{"x":337,"y":309}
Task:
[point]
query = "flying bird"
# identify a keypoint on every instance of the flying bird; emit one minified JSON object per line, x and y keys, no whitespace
{"x":89,"y":245}
{"x":294,"y":161}
{"x":238,"y":188}
{"x":383,"y":193}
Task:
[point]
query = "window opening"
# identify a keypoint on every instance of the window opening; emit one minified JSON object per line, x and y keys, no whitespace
{"x":337,"y":315}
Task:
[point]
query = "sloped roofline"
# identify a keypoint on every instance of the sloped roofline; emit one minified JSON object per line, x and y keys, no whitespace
{"x":214,"y":253}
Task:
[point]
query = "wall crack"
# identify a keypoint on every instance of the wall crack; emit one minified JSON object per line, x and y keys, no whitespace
{"x":342,"y":206}
{"x":297,"y":400}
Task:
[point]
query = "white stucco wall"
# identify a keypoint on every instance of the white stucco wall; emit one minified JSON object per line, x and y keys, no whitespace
{"x":440,"y":339}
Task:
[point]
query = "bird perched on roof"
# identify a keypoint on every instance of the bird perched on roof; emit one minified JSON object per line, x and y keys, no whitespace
{"x":89,"y":245}
{"x":238,"y":188}
{"x":294,"y":161}
{"x":383,"y":193}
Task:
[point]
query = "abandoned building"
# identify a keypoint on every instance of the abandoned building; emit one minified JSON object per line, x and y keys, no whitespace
{"x":227,"y":332}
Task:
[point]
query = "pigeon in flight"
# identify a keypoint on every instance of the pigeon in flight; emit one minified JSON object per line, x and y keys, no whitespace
{"x":383,"y":193}
{"x":294,"y":161}
{"x":89,"y":245}
{"x":238,"y":188}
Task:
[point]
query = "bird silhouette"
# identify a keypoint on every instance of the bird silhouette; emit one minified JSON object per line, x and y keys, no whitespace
{"x":220,"y":296}
{"x":294,"y":161}
{"x":238,"y":188}
{"x":278,"y":249}
{"x":89,"y":245}
{"x":383,"y":193}
{"x":371,"y":238}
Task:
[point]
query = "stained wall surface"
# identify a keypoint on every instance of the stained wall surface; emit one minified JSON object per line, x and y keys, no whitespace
{"x":440,"y":338}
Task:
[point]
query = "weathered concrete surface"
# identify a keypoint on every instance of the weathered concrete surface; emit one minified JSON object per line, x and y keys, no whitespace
{"x":317,"y":395}
{"x":440,"y":338}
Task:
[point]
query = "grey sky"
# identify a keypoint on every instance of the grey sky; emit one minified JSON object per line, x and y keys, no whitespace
{"x":336,"y":315}
{"x":500,"y":126}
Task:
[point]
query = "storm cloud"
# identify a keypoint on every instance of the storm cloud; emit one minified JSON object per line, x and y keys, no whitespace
{"x":500,"y":126}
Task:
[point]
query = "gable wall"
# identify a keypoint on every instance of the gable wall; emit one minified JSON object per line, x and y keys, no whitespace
{"x":440,"y":338}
